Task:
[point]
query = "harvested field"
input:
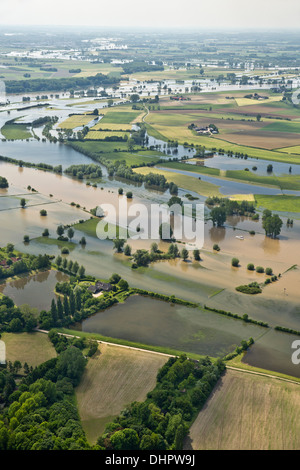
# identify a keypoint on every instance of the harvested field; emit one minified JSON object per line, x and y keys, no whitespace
{"x":33,"y":348}
{"x":261,"y":139}
{"x":113,"y":378}
{"x":248,"y":412}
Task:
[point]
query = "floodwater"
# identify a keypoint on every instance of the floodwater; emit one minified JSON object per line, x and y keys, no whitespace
{"x":36,"y":291}
{"x":225,"y":162}
{"x":53,"y":154}
{"x":228,"y":187}
{"x":159,"y":323}
{"x":273,"y":351}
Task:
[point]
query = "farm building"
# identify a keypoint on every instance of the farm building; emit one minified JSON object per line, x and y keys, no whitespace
{"x":100,"y":287}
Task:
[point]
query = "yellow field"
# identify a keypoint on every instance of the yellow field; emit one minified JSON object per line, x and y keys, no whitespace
{"x":243,"y":197}
{"x":189,"y":183}
{"x":249,"y":101}
{"x":248,"y":412}
{"x":101,"y":135}
{"x":33,"y":348}
{"x":295,"y":149}
{"x":111,"y":126}
{"x":76,"y":121}
{"x":114,"y":377}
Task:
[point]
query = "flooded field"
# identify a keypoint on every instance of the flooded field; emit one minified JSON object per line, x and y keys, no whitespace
{"x":159,"y":323}
{"x":36,"y":291}
{"x":273,"y":351}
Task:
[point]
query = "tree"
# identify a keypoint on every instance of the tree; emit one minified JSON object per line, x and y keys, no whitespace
{"x":165,"y":232}
{"x":60,"y":309}
{"x":75,"y":267}
{"x":71,"y":364}
{"x":114,"y":278}
{"x":154,"y":247}
{"x":235,"y":262}
{"x":196,"y":254}
{"x":184,"y":254}
{"x":270,"y":168}
{"x":82,"y":241}
{"x":120,"y":191}
{"x":218,"y":216}
{"x":58,"y":260}
{"x":26,"y":238}
{"x":43,"y":212}
{"x":60,"y":230}
{"x":66,"y":306}
{"x":127,"y":250}
{"x":54,"y":312}
{"x":258,"y":117}
{"x":272,"y":225}
{"x":72,"y":303}
{"x":23,"y":203}
{"x":45,"y":233}
{"x":70,"y":233}
{"x":126,"y":439}
{"x":141,"y":258}
{"x":123,"y":285}
{"x":118,"y":244}
{"x":81,"y":271}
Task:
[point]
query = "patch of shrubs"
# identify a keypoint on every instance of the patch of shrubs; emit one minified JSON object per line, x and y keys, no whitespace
{"x":252,"y":288}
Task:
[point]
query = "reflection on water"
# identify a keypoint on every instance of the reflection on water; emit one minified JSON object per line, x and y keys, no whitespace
{"x":36,"y":291}
{"x":217,"y":234}
{"x":154,"y":322}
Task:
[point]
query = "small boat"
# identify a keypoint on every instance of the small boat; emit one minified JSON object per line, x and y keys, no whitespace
{"x":240,"y":237}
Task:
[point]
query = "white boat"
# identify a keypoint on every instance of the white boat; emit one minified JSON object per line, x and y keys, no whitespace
{"x":240,"y":237}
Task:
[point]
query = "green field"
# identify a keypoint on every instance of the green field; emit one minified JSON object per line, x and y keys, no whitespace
{"x":119,"y":117}
{"x":194,"y":168}
{"x":282,"y":203}
{"x":189,"y":183}
{"x":16,"y":132}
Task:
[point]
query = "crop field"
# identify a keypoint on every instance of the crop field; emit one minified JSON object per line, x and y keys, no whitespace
{"x":274,"y":135}
{"x":76,"y":120}
{"x":102,"y":135}
{"x":189,"y":183}
{"x":15,"y":132}
{"x":282,"y":203}
{"x":249,"y":101}
{"x":247,"y":411}
{"x":112,"y":126}
{"x":113,"y":378}
{"x":120,"y":115}
{"x":33,"y":348}
{"x":294,"y":149}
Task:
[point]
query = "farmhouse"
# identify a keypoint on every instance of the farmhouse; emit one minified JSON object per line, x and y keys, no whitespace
{"x":100,"y":287}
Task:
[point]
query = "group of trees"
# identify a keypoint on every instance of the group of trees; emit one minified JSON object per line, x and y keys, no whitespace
{"x":144,"y":257}
{"x":16,"y":263}
{"x":84,"y":171}
{"x":15,"y":319}
{"x":223,"y":207}
{"x":271,"y":223}
{"x":162,"y":421}
{"x":3,"y":182}
{"x":39,"y":413}
{"x":58,"y":84}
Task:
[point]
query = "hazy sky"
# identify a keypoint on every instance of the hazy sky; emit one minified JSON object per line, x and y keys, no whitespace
{"x":154,"y":13}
